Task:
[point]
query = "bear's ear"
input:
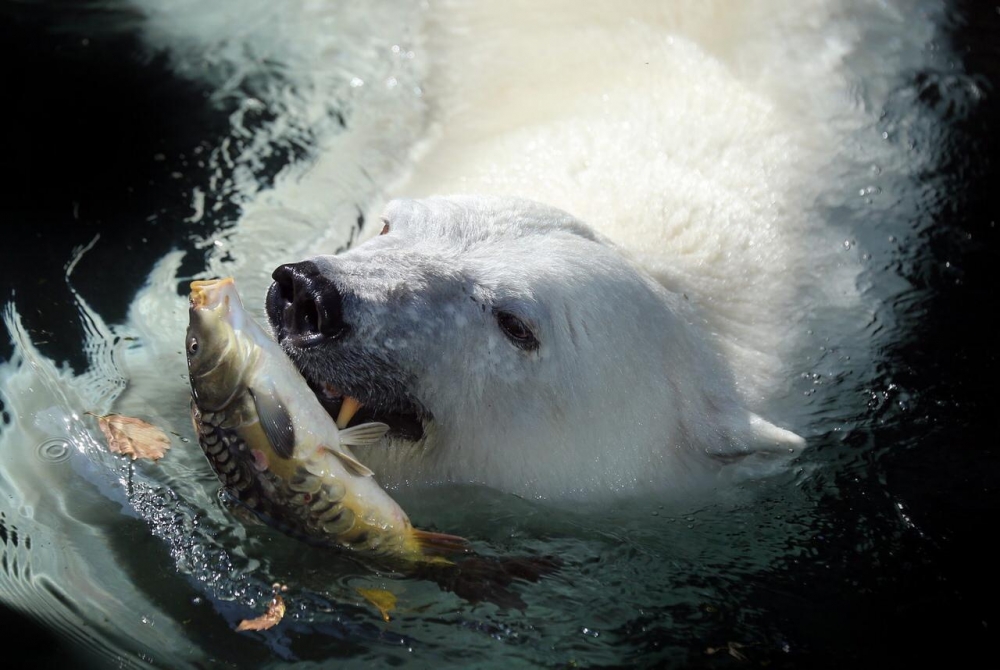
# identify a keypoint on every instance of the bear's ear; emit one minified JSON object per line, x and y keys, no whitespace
{"x":751,"y":434}
{"x":765,"y":436}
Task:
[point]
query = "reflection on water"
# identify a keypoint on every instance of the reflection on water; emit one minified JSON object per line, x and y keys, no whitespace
{"x":849,"y":556}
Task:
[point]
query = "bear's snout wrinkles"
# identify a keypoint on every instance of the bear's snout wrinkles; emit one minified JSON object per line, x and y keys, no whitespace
{"x":304,"y":306}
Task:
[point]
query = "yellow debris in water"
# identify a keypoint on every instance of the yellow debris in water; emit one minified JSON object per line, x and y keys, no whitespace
{"x":380,"y":598}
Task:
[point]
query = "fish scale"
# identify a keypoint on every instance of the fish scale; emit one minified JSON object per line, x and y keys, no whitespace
{"x":306,"y":507}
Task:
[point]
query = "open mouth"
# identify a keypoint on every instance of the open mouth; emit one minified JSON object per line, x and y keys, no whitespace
{"x":347,"y":412}
{"x":306,"y":312}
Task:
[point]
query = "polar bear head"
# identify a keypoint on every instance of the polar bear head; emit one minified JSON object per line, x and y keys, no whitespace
{"x":508,"y":344}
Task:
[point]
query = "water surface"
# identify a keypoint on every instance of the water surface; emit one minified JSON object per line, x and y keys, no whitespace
{"x":128,"y":150}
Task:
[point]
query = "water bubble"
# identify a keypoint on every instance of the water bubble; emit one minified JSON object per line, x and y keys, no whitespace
{"x":54,"y":450}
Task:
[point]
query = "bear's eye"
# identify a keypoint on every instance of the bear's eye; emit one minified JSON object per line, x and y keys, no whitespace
{"x":385,"y":227}
{"x":517,"y":331}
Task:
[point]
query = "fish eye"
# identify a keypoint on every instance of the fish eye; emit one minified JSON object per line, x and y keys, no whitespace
{"x":192,"y":347}
{"x":517,"y":331}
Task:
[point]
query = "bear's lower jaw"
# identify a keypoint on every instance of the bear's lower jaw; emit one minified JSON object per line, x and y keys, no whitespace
{"x":405,"y":424}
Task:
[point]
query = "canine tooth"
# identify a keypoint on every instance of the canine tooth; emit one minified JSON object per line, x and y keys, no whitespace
{"x":348,"y":409}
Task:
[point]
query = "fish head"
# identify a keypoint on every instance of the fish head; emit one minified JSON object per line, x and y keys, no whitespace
{"x":219,"y":354}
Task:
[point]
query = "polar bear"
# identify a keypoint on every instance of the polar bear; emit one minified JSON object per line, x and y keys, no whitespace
{"x":509,"y":344}
{"x":688,"y":157}
{"x":627,"y":334}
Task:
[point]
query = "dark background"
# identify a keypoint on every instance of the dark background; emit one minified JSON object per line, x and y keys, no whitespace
{"x":95,"y":134}
{"x":99,"y":137}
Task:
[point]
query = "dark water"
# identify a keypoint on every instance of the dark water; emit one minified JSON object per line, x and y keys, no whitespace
{"x":880,"y":555}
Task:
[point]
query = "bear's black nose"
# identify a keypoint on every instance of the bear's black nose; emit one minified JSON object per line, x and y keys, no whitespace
{"x":304,"y":306}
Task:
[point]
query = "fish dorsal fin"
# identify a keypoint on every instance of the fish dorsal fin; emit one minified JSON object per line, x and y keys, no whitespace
{"x":363,"y":434}
{"x":276,"y":422}
{"x":352,"y":464}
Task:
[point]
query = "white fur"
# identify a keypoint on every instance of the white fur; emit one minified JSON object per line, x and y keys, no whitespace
{"x":675,"y":143}
{"x":625,"y":391}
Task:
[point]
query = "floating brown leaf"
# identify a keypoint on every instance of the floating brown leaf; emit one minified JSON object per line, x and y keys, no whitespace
{"x":133,"y":437}
{"x":383,"y":600}
{"x":269,"y":619}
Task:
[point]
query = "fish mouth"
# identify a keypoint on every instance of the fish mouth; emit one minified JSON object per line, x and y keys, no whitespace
{"x":406,"y":422}
{"x":206,"y":293}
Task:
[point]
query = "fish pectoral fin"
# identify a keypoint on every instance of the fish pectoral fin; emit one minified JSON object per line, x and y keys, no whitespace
{"x":352,"y":464}
{"x":276,"y":422}
{"x":364,"y":434}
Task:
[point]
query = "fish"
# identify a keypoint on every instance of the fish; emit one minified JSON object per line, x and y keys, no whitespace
{"x":275,"y":448}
